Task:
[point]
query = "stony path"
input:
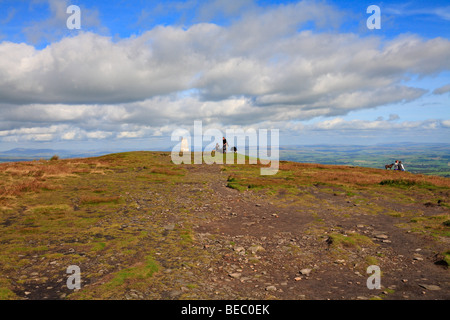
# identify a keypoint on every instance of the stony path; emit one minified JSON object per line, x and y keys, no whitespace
{"x":273,"y":251}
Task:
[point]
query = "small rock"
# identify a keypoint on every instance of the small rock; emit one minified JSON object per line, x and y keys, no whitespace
{"x":381,"y":236}
{"x":174,"y":293}
{"x":305,"y":272}
{"x":271,"y":288}
{"x":255,"y":248}
{"x":298,"y":278}
{"x":235,"y":275}
{"x":430,"y":286}
{"x":169,"y":227}
{"x":239,"y":249}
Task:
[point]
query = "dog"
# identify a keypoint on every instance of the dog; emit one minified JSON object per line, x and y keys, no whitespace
{"x":234,"y":149}
{"x":388,"y":166}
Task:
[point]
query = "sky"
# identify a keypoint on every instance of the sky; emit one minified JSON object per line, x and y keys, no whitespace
{"x":135,"y":71}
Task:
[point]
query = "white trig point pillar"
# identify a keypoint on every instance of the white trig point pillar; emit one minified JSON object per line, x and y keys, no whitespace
{"x":184,"y":145}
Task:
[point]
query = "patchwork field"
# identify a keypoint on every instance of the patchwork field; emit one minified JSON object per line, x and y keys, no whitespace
{"x":422,"y":158}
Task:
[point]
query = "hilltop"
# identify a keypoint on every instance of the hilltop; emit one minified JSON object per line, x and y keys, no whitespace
{"x":140,"y":227}
{"x":421,"y":158}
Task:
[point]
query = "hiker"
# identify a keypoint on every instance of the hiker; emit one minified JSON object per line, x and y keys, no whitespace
{"x":225,"y":143}
{"x":400,"y":166}
{"x":396,"y":165}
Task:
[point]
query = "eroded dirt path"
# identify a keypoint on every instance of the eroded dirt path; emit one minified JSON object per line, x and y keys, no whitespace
{"x":281,"y":250}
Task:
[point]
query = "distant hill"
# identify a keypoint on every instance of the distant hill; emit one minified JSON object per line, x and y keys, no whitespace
{"x":24,"y":154}
{"x":31,"y":152}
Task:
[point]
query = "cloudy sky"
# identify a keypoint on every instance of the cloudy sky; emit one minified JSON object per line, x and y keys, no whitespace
{"x":138,"y":70}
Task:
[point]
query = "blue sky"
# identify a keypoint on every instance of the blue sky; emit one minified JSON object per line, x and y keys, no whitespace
{"x":139,"y":70}
{"x":125,"y":18}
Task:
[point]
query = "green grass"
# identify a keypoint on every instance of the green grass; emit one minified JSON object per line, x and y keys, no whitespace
{"x":447,"y":257}
{"x":99,"y":200}
{"x":436,"y":226}
{"x":371,"y":261}
{"x":99,"y":246}
{"x":5,"y":292}
{"x":142,"y":271}
{"x":233,"y":184}
{"x":350,"y":241}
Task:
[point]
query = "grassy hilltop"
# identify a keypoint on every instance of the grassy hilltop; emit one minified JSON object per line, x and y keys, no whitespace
{"x":142,"y":227}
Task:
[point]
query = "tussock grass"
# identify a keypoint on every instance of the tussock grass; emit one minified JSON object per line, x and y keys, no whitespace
{"x":291,"y":175}
{"x":406,"y":183}
{"x":21,"y":177}
{"x":31,"y":185}
{"x":97,"y":199}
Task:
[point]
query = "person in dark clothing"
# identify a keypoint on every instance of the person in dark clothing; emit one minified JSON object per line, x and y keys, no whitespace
{"x":225,"y":144}
{"x":396,"y":165}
